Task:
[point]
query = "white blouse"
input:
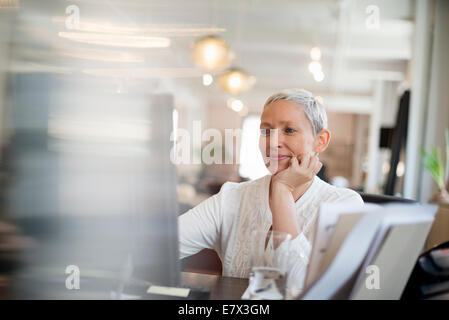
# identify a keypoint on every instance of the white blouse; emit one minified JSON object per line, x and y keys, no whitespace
{"x":225,"y":221}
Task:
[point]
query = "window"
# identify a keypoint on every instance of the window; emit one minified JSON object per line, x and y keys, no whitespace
{"x":251,"y":162}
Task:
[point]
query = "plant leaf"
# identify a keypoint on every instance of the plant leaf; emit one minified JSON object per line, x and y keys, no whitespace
{"x":446,"y":177}
{"x":434,"y":164}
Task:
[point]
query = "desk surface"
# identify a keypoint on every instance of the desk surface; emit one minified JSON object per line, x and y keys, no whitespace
{"x":221,"y":288}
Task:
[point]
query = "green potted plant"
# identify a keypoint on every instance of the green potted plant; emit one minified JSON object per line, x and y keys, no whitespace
{"x":433,"y":162}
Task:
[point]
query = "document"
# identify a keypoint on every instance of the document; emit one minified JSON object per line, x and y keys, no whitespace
{"x":328,"y":217}
{"x":394,"y":252}
{"x":349,"y":239}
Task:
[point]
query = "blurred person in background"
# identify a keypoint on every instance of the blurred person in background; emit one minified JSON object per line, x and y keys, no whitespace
{"x":12,"y":243}
{"x":286,"y":200}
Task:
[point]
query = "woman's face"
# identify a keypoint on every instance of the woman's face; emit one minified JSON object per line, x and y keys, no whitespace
{"x":286,"y":122}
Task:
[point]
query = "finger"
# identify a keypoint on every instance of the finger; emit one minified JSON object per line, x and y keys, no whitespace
{"x":292,"y":157}
{"x":294,"y":162}
{"x":313,"y":162}
{"x":305,"y":160}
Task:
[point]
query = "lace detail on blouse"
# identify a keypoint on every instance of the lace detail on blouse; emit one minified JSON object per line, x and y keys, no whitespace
{"x":253,"y":216}
{"x":256,"y":215}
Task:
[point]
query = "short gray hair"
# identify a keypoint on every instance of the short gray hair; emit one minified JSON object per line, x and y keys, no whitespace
{"x":312,"y":108}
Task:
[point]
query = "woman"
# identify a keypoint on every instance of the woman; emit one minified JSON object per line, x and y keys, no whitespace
{"x":293,"y":133}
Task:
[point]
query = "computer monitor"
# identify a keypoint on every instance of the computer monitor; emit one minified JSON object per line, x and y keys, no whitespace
{"x":93,"y":185}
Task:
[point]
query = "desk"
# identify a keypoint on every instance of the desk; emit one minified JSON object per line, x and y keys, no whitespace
{"x":221,"y":288}
{"x":439,"y":232}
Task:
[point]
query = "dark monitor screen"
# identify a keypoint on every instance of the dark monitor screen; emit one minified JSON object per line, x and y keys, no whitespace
{"x":93,"y":186}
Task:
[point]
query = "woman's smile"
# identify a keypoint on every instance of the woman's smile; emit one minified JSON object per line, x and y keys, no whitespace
{"x":279,"y":157}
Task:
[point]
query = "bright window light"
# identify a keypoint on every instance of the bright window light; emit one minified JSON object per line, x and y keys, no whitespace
{"x":251,"y":162}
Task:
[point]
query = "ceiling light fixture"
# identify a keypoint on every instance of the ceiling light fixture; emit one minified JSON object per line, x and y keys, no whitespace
{"x":318,"y":76}
{"x":144,"y":73}
{"x":236,"y":81}
{"x":160,"y":30}
{"x":211,"y":53}
{"x":314,"y":67}
{"x":207,"y":79}
{"x":237,"y":105}
{"x":127,"y":41}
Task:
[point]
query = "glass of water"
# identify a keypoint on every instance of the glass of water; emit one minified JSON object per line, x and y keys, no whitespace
{"x":269,"y":265}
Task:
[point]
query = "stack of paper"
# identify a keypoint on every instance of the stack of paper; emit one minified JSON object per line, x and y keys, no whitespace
{"x":365,"y":251}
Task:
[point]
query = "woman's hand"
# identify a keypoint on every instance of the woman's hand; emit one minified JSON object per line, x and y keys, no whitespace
{"x":286,"y":187}
{"x":299,"y":173}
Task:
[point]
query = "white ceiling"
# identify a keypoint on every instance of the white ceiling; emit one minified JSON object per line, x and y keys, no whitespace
{"x":271,"y":40}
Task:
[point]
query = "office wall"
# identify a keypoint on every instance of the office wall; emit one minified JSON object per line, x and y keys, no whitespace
{"x":429,"y":109}
{"x":438,"y":101}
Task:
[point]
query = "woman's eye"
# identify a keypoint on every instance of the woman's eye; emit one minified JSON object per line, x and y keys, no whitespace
{"x":290,"y":130}
{"x":264,"y":132}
